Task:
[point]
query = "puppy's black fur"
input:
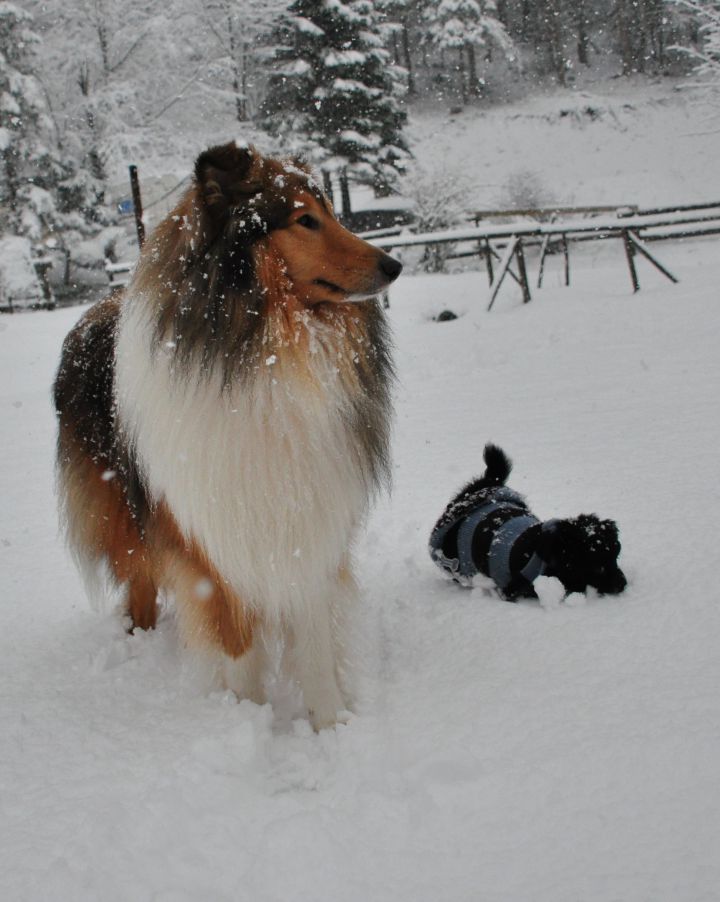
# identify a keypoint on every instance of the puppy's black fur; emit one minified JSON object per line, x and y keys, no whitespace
{"x":580,"y":552}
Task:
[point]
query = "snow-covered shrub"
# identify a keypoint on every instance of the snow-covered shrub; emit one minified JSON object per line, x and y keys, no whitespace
{"x":46,"y":194}
{"x":19,"y":283}
{"x":92,"y":253}
{"x":439,"y":198}
{"x":524,"y":189}
{"x":705,"y":15}
{"x":28,"y":164}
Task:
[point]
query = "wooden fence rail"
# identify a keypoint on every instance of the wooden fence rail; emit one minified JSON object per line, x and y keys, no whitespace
{"x":634,"y":230}
{"x":505,"y":243}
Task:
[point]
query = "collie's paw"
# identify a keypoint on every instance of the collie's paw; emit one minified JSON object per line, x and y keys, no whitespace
{"x":326,"y":718}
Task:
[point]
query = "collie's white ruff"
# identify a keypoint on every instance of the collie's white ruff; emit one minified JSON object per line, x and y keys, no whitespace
{"x":264,"y":476}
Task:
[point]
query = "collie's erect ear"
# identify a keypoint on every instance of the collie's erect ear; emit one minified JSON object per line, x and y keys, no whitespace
{"x":610,"y":534}
{"x":222,"y":174}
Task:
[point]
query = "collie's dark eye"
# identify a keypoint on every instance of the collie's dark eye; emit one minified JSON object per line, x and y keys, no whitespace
{"x":308,"y":222}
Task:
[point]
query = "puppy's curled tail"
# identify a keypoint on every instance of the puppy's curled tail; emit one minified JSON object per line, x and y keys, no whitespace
{"x":497,"y":465}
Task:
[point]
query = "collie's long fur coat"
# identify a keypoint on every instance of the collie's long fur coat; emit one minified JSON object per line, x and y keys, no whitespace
{"x":225,"y":421}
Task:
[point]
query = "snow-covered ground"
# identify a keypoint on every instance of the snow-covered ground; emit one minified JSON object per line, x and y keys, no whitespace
{"x":612,"y":142}
{"x":502,"y":751}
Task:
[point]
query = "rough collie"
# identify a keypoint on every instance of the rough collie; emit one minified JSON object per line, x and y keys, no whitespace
{"x":225,"y":421}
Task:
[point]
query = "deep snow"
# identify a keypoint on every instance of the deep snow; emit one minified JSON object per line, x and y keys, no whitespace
{"x":502,"y":751}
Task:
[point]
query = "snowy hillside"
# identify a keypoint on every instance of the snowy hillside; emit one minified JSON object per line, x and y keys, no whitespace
{"x":502,"y":752}
{"x":613,"y":142}
{"x":618,"y":142}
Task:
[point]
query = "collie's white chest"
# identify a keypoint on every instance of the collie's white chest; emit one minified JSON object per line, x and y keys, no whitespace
{"x":266,"y":477}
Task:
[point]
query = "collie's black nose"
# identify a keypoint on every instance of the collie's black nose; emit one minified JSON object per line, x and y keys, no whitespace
{"x":390,"y":267}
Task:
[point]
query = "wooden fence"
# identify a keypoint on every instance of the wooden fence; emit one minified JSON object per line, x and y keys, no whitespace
{"x":499,"y":245}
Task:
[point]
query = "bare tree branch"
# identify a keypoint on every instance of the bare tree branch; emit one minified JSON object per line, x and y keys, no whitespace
{"x":123,"y":59}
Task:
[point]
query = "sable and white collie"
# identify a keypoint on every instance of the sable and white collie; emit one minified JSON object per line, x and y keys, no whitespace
{"x":225,"y":421}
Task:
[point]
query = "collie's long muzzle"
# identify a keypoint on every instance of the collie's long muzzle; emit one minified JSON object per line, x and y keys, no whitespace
{"x":388,"y":269}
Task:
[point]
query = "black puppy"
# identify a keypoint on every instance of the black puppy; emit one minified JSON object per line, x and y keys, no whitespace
{"x":488,"y":528}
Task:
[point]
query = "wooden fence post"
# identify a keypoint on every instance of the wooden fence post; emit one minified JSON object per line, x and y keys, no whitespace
{"x":630,"y":254}
{"x":488,"y":260}
{"x":519,"y":253}
{"x":639,"y":246}
{"x":566,"y":255}
{"x":544,"y":247}
{"x":504,"y":267}
{"x":137,"y":205}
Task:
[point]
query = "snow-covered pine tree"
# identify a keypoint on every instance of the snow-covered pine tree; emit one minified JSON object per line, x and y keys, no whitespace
{"x":334,"y":93}
{"x":640,"y":27}
{"x":466,"y":27}
{"x":29,"y":164}
{"x":399,"y":18}
{"x":48,"y":198}
{"x":706,"y":57}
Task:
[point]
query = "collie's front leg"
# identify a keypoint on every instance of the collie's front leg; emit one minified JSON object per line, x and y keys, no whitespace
{"x":314,"y":654}
{"x":244,"y":675}
{"x":344,"y":632}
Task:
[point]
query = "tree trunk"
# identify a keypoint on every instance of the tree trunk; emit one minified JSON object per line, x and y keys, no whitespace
{"x":240,"y":111}
{"x":405,"y":38}
{"x":328,"y":186}
{"x":244,"y":109}
{"x":473,"y":84}
{"x":12,"y":186}
{"x":461,"y":76}
{"x":581,"y":27}
{"x":554,"y":41}
{"x":623,"y":25}
{"x":66,"y":266}
{"x":104,"y":48}
{"x":525,"y":14}
{"x":345,"y":206}
{"x":96,"y":165}
{"x":654,"y":20}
